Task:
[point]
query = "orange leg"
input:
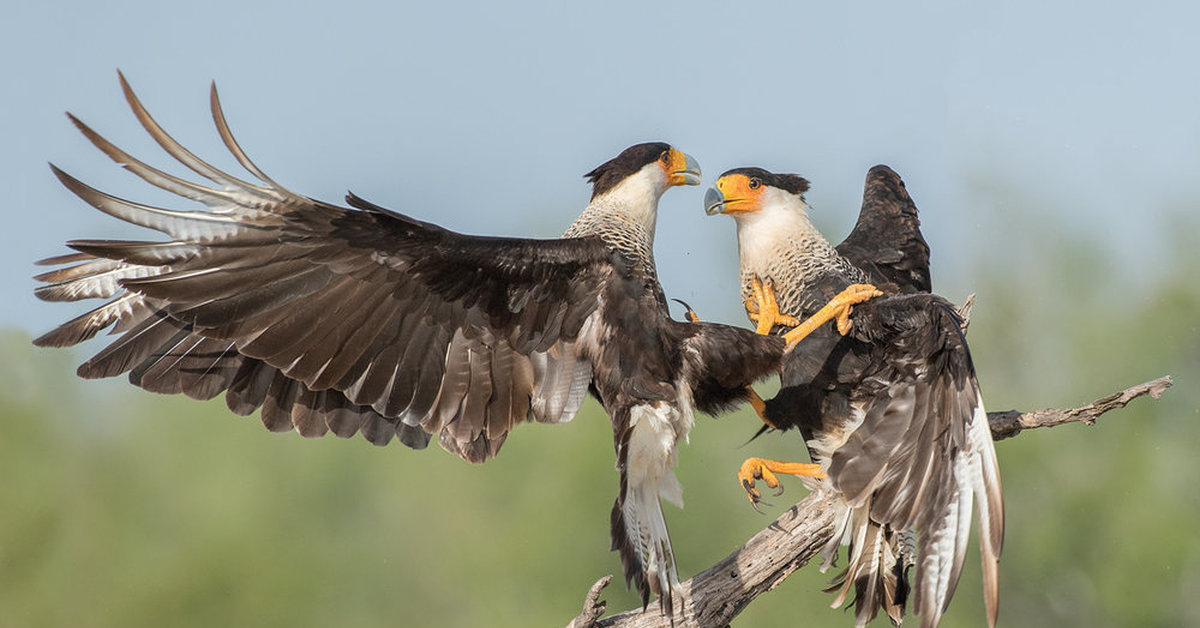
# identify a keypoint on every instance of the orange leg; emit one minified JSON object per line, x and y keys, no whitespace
{"x":760,"y":407}
{"x":765,"y":470}
{"x":838,"y":308}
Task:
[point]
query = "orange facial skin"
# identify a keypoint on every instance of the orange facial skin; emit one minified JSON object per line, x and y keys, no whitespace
{"x":734,"y":193}
{"x":681,"y":169}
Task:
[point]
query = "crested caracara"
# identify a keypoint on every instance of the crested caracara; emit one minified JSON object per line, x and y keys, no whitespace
{"x":363,"y":320}
{"x":888,"y":403}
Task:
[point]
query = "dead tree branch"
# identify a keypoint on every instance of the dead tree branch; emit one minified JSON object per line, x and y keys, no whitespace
{"x":715,"y":596}
{"x":1010,"y":423}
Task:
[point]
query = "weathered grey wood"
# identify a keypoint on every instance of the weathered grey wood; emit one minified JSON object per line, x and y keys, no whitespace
{"x":593,"y":606}
{"x":1010,"y":423}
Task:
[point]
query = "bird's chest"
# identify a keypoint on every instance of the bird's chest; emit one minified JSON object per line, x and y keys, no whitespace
{"x":801,"y":288}
{"x":804,"y":271}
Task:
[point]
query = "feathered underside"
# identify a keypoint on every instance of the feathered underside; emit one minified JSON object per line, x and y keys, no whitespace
{"x":350,"y":320}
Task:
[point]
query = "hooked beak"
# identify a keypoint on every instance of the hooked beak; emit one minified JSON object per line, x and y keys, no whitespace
{"x":714,"y":201}
{"x":689,"y":174}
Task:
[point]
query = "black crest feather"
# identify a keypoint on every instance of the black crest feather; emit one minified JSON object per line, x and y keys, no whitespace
{"x":793,"y":183}
{"x":607,"y":175}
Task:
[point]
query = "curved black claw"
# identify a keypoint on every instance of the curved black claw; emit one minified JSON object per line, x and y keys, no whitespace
{"x":755,"y":497}
{"x":690,"y":314}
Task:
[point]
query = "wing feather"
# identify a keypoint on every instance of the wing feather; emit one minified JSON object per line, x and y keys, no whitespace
{"x":209,"y":368}
{"x":922,"y":455}
{"x":277,"y":408}
{"x":350,"y":342}
{"x":306,"y":415}
{"x":159,"y":373}
{"x":185,"y":157}
{"x":329,"y":318}
{"x":86,"y":326}
{"x":215,"y":198}
{"x":430,"y":368}
{"x":101,"y":283}
{"x":886,"y":242}
{"x":343,"y":420}
{"x":197,"y":225}
{"x":249,"y":387}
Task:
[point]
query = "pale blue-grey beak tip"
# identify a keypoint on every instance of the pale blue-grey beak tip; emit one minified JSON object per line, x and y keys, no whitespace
{"x":714,"y":201}
{"x":691,"y":170}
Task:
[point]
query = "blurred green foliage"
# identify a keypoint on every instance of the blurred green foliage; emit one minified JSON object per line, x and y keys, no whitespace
{"x":121,"y":508}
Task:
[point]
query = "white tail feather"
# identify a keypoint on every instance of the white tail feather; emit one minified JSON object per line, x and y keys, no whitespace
{"x":647,"y":528}
{"x":649,"y":477}
{"x":977,"y":475}
{"x":989,"y":499}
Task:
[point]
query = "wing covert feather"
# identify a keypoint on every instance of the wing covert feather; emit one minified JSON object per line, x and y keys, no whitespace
{"x":886,"y":242}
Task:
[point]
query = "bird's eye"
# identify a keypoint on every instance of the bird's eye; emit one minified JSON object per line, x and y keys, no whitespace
{"x":665,"y":157}
{"x":754,"y":183}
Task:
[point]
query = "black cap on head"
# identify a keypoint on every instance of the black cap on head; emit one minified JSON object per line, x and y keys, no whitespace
{"x":792,"y":183}
{"x":607,"y":175}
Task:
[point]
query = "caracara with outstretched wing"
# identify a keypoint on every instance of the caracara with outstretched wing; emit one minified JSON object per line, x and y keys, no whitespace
{"x":362,"y":320}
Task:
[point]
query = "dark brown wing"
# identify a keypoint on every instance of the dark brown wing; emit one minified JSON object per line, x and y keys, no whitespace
{"x":920,"y":450}
{"x":886,"y":241}
{"x":720,"y":361}
{"x":331,"y":318}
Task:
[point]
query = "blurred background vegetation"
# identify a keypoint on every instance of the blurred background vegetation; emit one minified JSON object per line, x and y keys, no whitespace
{"x":121,"y":508}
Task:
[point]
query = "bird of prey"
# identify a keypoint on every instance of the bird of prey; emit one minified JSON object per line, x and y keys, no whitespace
{"x":888,"y":403}
{"x":363,"y":320}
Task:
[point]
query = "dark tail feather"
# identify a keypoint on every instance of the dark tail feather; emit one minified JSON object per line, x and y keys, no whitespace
{"x":880,"y":559}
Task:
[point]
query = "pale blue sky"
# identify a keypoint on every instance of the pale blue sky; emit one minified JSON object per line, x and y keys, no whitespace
{"x":483,"y":116}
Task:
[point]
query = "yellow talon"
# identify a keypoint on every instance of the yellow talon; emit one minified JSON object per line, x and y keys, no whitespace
{"x":838,"y":309}
{"x":762,"y":469}
{"x":763,"y":308}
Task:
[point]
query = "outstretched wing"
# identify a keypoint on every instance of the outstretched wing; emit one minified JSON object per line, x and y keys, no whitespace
{"x":920,"y":452}
{"x":886,"y":241}
{"x":329,"y":318}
